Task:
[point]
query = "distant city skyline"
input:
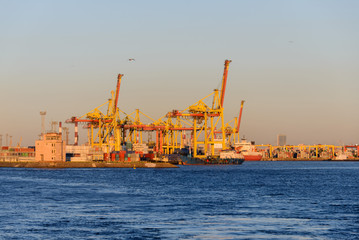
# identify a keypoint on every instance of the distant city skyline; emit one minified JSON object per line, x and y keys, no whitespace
{"x":281,"y":140}
{"x":295,"y":63}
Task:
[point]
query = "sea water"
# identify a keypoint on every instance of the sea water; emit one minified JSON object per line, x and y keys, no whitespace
{"x":256,"y":200}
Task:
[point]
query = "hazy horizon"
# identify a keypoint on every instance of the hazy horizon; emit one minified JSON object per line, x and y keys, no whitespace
{"x":295,"y":63}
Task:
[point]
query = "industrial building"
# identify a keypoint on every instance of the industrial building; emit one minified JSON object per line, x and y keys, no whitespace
{"x":50,"y":148}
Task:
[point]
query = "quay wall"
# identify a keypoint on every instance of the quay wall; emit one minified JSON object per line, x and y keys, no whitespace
{"x":86,"y":165}
{"x":308,"y":159}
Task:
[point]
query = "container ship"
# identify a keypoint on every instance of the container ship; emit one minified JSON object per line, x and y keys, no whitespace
{"x":188,"y":160}
{"x":225,"y":157}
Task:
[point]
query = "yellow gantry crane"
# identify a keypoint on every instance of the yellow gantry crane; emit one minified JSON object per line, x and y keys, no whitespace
{"x":106,"y":124}
{"x":205,"y":119}
{"x":232,"y":131}
{"x":133,"y":127}
{"x":106,"y":129}
{"x":174,"y":133}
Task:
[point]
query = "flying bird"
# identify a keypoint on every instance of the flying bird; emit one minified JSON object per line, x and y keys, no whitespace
{"x":131,"y":59}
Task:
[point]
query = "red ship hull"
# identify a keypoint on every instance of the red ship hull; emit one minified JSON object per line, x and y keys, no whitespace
{"x":252,"y":157}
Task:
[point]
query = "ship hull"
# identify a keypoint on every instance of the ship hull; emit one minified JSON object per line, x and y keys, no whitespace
{"x":252,"y":157}
{"x":186,"y":160}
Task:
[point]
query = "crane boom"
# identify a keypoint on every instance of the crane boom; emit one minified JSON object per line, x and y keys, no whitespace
{"x":119,"y":77}
{"x":224,"y":80}
{"x":240,"y":117}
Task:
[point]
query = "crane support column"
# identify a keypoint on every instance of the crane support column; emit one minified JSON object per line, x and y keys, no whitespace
{"x":76,"y":134}
{"x":205,"y":134}
{"x":195,"y":137}
{"x":157,"y":141}
{"x":161,"y":140}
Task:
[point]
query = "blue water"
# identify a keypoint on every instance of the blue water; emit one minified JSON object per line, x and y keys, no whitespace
{"x":257,"y":200}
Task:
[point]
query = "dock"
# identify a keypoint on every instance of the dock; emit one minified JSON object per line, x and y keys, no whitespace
{"x":86,"y":165}
{"x":310,"y":159}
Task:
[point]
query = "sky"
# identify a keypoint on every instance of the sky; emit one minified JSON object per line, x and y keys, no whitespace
{"x":295,"y":63}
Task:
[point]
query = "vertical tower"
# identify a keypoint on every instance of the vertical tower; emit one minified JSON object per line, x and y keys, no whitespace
{"x":53,"y":126}
{"x":60,"y":128}
{"x":42,"y":114}
{"x":0,"y":140}
{"x":76,"y":134}
{"x":281,"y":140}
{"x":10,"y":141}
{"x":7,"y":139}
{"x":66,"y":131}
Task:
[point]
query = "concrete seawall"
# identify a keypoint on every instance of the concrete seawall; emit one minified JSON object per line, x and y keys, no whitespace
{"x":309,"y":159}
{"x":296,"y":159}
{"x":86,"y":165}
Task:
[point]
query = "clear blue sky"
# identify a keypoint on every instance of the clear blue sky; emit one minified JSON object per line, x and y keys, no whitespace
{"x":295,"y":63}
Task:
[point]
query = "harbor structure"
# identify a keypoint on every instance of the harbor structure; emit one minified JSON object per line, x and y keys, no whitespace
{"x":42,"y":114}
{"x":50,"y":148}
{"x":303,"y":152}
{"x":120,"y":139}
{"x":204,"y":120}
{"x":17,"y":154}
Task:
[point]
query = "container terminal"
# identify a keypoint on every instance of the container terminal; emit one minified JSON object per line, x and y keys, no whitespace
{"x":195,"y":135}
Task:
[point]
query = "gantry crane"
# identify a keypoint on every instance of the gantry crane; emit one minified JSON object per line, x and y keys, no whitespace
{"x":133,"y":128}
{"x":232,"y":132}
{"x":167,"y":131}
{"x":200,"y":119}
{"x":106,"y":124}
{"x":205,"y":119}
{"x":173,"y":133}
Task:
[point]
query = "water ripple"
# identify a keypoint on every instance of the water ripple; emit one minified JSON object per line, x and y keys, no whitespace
{"x":259,"y":200}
